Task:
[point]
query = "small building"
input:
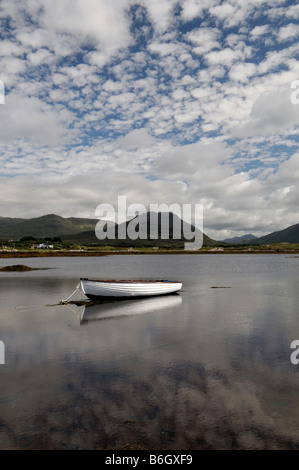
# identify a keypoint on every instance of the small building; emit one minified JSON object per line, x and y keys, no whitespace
{"x":43,"y":246}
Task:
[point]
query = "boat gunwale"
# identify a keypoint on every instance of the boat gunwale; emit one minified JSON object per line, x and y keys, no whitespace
{"x":130,"y":281}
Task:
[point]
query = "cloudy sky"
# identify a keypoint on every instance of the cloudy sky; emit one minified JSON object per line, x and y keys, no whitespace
{"x":164,"y":101}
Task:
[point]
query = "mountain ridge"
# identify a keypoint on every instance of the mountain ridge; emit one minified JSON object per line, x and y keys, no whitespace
{"x":49,"y":225}
{"x":9,"y":221}
{"x":82,"y":230}
{"x":243,"y":239}
{"x":77,"y":230}
{"x":165,"y":236}
{"x":287,"y":235}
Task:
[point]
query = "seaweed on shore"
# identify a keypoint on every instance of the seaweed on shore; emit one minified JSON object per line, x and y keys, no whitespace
{"x":16,"y":268}
{"x":20,"y":268}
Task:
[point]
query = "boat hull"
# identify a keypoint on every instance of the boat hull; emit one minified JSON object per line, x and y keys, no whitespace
{"x":99,"y":288}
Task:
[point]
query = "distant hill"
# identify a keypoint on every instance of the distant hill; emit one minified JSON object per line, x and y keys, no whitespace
{"x":50,"y":225}
{"x":6,"y":222}
{"x":245,"y":238}
{"x":288,"y":235}
{"x":163,"y":232}
{"x":90,"y":237}
{"x":82,"y":231}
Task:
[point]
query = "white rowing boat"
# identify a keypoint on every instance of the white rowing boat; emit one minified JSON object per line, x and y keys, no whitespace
{"x":94,"y":288}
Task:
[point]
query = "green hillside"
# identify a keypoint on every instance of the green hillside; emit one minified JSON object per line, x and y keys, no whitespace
{"x":89,"y":237}
{"x":6,"y":222}
{"x":82,"y":231}
{"x":288,"y":235}
{"x":50,"y":225}
{"x":243,"y":239}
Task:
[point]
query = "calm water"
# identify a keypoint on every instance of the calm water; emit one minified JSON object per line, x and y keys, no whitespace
{"x":207,"y":369}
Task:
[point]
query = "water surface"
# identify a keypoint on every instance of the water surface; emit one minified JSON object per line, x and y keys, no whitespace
{"x":206,"y":369}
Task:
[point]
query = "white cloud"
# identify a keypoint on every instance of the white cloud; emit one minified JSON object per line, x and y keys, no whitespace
{"x":138,"y":138}
{"x":100,"y":21}
{"x":258,"y":31}
{"x":205,"y":39}
{"x":242,"y":72}
{"x":187,"y":117}
{"x":160,"y":12}
{"x":198,"y":111}
{"x":112,"y":86}
{"x":192,"y":9}
{"x":271,"y":113}
{"x":225,"y":11}
{"x":288,"y":32}
{"x":235,"y":12}
{"x":35,"y":39}
{"x":191,"y":159}
{"x":42,"y":56}
{"x":28,"y":118}
{"x":162,"y":49}
{"x":290,"y":11}
{"x":224,"y":57}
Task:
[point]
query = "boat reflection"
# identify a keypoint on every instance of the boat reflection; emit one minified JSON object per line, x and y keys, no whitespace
{"x":130,"y":307}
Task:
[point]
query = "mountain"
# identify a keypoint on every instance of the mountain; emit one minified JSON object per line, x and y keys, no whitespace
{"x":244,"y":239}
{"x":50,"y":225}
{"x":288,"y":235}
{"x":89,"y":237}
{"x":6,"y":222}
{"x":166,"y":228}
{"x":82,"y":231}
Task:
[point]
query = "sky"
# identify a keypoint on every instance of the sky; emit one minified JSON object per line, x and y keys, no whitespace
{"x":163,"y":101}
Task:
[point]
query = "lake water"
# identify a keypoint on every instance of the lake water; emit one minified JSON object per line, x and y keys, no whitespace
{"x":206,"y":369}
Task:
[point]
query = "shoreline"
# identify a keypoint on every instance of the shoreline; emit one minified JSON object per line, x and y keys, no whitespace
{"x":50,"y":254}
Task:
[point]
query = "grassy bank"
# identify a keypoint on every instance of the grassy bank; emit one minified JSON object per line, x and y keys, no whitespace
{"x":278,"y":248}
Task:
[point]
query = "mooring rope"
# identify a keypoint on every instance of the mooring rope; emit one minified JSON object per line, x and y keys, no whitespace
{"x":23,"y":308}
{"x":64,"y":302}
